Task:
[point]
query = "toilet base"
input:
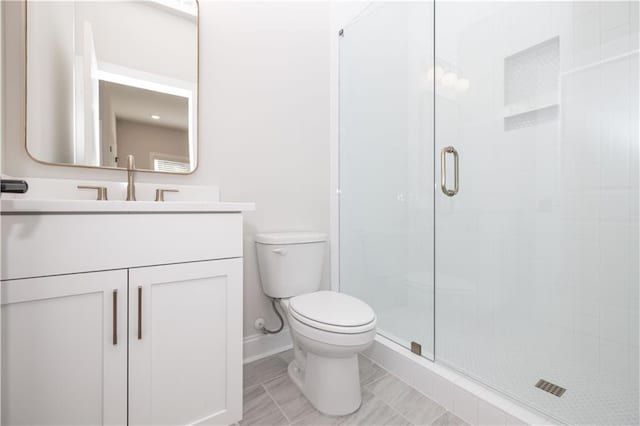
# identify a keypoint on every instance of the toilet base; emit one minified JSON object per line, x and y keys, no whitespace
{"x":332,"y":385}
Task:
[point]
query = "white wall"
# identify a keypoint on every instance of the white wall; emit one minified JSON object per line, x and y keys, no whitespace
{"x":264,"y":108}
{"x":267,"y":119}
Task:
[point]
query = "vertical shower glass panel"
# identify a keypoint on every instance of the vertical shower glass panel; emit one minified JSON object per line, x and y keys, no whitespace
{"x":386,"y":168}
{"x":537,"y":255}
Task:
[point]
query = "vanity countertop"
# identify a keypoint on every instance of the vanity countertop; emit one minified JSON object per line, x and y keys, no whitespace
{"x":60,"y":196}
{"x":16,"y":206}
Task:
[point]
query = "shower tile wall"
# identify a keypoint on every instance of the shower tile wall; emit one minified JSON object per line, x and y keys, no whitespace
{"x":536,"y":258}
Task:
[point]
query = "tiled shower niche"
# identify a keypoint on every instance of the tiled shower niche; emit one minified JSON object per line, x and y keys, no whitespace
{"x":531,"y":85}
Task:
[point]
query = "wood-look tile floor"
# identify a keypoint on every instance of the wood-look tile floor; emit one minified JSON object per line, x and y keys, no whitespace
{"x":271,"y":398}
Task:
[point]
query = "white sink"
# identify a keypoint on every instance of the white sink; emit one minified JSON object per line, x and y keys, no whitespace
{"x":62,"y":195}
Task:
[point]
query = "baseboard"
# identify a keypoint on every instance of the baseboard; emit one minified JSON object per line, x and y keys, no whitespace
{"x":262,"y":345}
{"x":467,"y":399}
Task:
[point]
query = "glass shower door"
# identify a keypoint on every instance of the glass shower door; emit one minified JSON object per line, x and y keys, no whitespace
{"x":537,"y":254}
{"x":386,"y":168}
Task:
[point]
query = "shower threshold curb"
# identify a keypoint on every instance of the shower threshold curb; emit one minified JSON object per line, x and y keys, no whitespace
{"x":467,"y":399}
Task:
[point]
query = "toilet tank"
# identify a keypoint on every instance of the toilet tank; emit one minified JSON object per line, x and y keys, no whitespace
{"x":290,"y":263}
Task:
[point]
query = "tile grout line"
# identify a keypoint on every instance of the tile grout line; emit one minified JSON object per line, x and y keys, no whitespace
{"x":276,"y":403}
{"x":376,"y":380}
{"x":445,"y":413}
{"x":270,"y":379}
{"x":247,"y":388}
{"x":380,"y":399}
{"x":379,"y":366}
{"x":395,"y":410}
{"x":387,"y":373}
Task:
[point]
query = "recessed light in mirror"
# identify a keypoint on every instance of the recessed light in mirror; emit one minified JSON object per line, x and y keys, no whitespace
{"x":155,"y":117}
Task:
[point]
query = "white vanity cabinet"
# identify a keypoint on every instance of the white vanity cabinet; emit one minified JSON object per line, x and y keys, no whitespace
{"x":62,"y":363}
{"x":183,"y":331}
{"x":153,"y":338}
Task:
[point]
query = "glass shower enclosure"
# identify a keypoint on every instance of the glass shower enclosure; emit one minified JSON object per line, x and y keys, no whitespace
{"x":489,"y":196}
{"x":386,"y":168}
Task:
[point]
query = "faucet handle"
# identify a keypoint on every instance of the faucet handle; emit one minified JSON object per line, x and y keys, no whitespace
{"x":101,"y":191}
{"x":160,"y":193}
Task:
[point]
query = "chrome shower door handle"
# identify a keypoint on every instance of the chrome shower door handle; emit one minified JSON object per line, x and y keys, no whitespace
{"x":443,"y":171}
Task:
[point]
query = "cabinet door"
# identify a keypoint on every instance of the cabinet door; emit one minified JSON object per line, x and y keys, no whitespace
{"x":62,"y":362}
{"x":185,"y":349}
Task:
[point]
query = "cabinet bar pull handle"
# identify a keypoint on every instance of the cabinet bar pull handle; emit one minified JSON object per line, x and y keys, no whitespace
{"x":443,"y":171}
{"x":115,"y":317}
{"x":139,"y":312}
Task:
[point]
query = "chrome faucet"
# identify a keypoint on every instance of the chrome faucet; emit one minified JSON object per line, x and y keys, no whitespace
{"x":131,"y":187}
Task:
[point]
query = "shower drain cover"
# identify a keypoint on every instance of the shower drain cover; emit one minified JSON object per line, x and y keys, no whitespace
{"x":550,"y":387}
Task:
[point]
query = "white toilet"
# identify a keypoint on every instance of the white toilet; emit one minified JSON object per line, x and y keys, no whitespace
{"x":328,"y":328}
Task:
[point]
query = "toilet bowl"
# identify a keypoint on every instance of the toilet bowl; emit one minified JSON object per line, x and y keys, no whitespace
{"x":328,"y":328}
{"x":325,"y":367}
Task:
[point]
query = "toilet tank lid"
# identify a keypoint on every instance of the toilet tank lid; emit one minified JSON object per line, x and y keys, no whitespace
{"x":290,"y":237}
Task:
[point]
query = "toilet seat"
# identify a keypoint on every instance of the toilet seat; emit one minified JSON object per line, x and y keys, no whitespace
{"x":333,"y":312}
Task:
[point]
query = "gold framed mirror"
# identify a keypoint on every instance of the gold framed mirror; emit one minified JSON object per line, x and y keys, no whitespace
{"x":104,"y":80}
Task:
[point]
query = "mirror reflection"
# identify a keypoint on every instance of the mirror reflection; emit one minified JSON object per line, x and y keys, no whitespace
{"x":110,"y":79}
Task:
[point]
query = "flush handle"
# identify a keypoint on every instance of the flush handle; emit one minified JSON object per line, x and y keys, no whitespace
{"x":443,"y":171}
{"x":280,"y":251}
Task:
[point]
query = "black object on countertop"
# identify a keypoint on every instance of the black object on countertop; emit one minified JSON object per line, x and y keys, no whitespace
{"x":14,"y":186}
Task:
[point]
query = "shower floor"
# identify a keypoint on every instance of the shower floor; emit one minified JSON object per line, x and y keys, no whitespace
{"x":601,"y":379}
{"x":513,"y":364}
{"x":514,"y":367}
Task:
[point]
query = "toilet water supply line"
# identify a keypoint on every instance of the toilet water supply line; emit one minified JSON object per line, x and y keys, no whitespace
{"x":265,"y":330}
